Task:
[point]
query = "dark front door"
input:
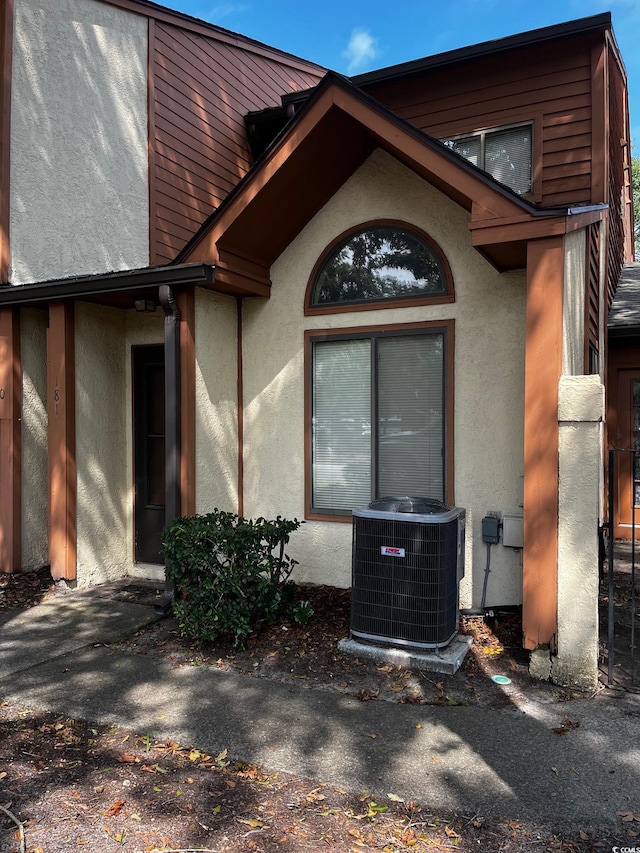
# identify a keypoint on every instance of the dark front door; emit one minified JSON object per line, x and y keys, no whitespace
{"x":148,"y":453}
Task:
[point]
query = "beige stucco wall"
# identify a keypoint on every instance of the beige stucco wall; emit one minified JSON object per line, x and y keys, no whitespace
{"x":35,"y":477}
{"x":216,"y":403}
{"x":103,"y":489}
{"x":489,"y":371}
{"x":79,"y":170}
{"x":580,"y":415}
{"x":573,"y":303}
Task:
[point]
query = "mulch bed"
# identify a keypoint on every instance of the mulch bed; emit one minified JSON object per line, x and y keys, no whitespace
{"x":308,"y":655}
{"x":75,"y":784}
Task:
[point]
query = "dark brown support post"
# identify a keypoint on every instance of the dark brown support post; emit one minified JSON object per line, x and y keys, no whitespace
{"x":62,"y":441}
{"x":10,"y":455}
{"x":543,"y":367}
{"x":172,"y":383}
{"x":185,"y":300}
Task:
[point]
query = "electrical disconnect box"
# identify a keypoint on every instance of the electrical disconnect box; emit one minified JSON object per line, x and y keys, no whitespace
{"x":512,"y":530}
{"x":491,"y":530}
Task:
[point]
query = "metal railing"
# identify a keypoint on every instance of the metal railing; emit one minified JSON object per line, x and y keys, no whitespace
{"x":619,"y":625}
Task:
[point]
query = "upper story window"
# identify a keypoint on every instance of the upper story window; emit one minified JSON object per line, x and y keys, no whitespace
{"x":380,"y":262}
{"x":505,"y":153}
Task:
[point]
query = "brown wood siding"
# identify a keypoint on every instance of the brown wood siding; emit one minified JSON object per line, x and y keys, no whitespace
{"x":592,"y":296}
{"x":550,"y":86}
{"x":201,"y":90}
{"x":617,"y":141}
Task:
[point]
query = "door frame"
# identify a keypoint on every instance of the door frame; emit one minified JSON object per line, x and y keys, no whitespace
{"x":137,"y":351}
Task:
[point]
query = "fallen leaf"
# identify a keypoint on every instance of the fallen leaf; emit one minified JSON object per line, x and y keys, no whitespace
{"x":128,"y":758}
{"x":395,"y":798}
{"x":116,"y":808}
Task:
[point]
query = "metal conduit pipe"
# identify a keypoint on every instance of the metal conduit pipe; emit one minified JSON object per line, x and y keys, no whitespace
{"x":172,"y":423}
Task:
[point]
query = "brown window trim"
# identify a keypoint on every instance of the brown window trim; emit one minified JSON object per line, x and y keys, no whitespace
{"x":534,"y":119}
{"x":379,"y":304}
{"x":483,"y":131}
{"x":312,"y":335}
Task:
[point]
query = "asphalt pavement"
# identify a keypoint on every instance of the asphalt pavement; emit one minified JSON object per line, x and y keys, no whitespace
{"x":490,"y":762}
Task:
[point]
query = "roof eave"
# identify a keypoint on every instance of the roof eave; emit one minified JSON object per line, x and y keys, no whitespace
{"x":126,"y":281}
{"x":580,"y":26}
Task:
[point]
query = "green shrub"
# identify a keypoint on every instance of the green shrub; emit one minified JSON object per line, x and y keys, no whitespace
{"x":231,"y":572}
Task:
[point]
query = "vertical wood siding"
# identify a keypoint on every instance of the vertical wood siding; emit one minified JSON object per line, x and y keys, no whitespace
{"x":592,"y":295}
{"x":201,"y":90}
{"x":550,"y":86}
{"x":617,"y":140}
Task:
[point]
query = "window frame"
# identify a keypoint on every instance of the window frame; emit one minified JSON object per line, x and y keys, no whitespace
{"x":378,"y":304}
{"x":311,"y":336}
{"x":501,"y":127}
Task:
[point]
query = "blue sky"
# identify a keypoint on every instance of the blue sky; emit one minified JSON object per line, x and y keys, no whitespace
{"x":353,"y":36}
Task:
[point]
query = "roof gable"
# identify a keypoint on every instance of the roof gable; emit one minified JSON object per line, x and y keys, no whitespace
{"x":325,"y":143}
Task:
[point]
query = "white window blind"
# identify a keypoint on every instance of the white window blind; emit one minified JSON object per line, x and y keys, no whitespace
{"x":469,"y":147}
{"x":507,"y":157}
{"x":505,"y":153}
{"x":355,"y":460}
{"x":341,"y":435}
{"x":410,"y":416}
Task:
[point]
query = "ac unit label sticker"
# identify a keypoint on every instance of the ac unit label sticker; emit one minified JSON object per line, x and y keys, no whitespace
{"x":388,"y":551}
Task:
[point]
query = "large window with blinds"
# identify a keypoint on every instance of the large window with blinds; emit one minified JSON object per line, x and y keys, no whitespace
{"x":505,"y":153}
{"x":378,"y":416}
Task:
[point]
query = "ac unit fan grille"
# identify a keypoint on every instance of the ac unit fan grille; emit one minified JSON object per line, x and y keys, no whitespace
{"x":412,"y":599}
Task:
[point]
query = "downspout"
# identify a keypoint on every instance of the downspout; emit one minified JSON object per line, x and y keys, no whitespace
{"x":172,"y":424}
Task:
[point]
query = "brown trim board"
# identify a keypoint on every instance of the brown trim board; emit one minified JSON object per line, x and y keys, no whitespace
{"x":62,"y":440}
{"x":340,"y":308}
{"x":10,"y":441}
{"x":543,"y":367}
{"x":314,"y":334}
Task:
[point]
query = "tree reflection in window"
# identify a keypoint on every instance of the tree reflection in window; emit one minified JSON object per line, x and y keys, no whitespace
{"x":378,"y":263}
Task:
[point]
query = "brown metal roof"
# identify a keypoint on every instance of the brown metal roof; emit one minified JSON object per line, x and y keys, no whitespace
{"x":487,"y":48}
{"x":163,"y":13}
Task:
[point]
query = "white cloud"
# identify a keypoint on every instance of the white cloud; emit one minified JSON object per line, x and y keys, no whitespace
{"x":224,"y":10}
{"x":362,"y":49}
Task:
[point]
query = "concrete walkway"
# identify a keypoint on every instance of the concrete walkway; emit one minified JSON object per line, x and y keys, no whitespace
{"x":507,"y":763}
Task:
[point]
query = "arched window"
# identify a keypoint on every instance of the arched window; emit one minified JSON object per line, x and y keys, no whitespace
{"x":379,"y":262}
